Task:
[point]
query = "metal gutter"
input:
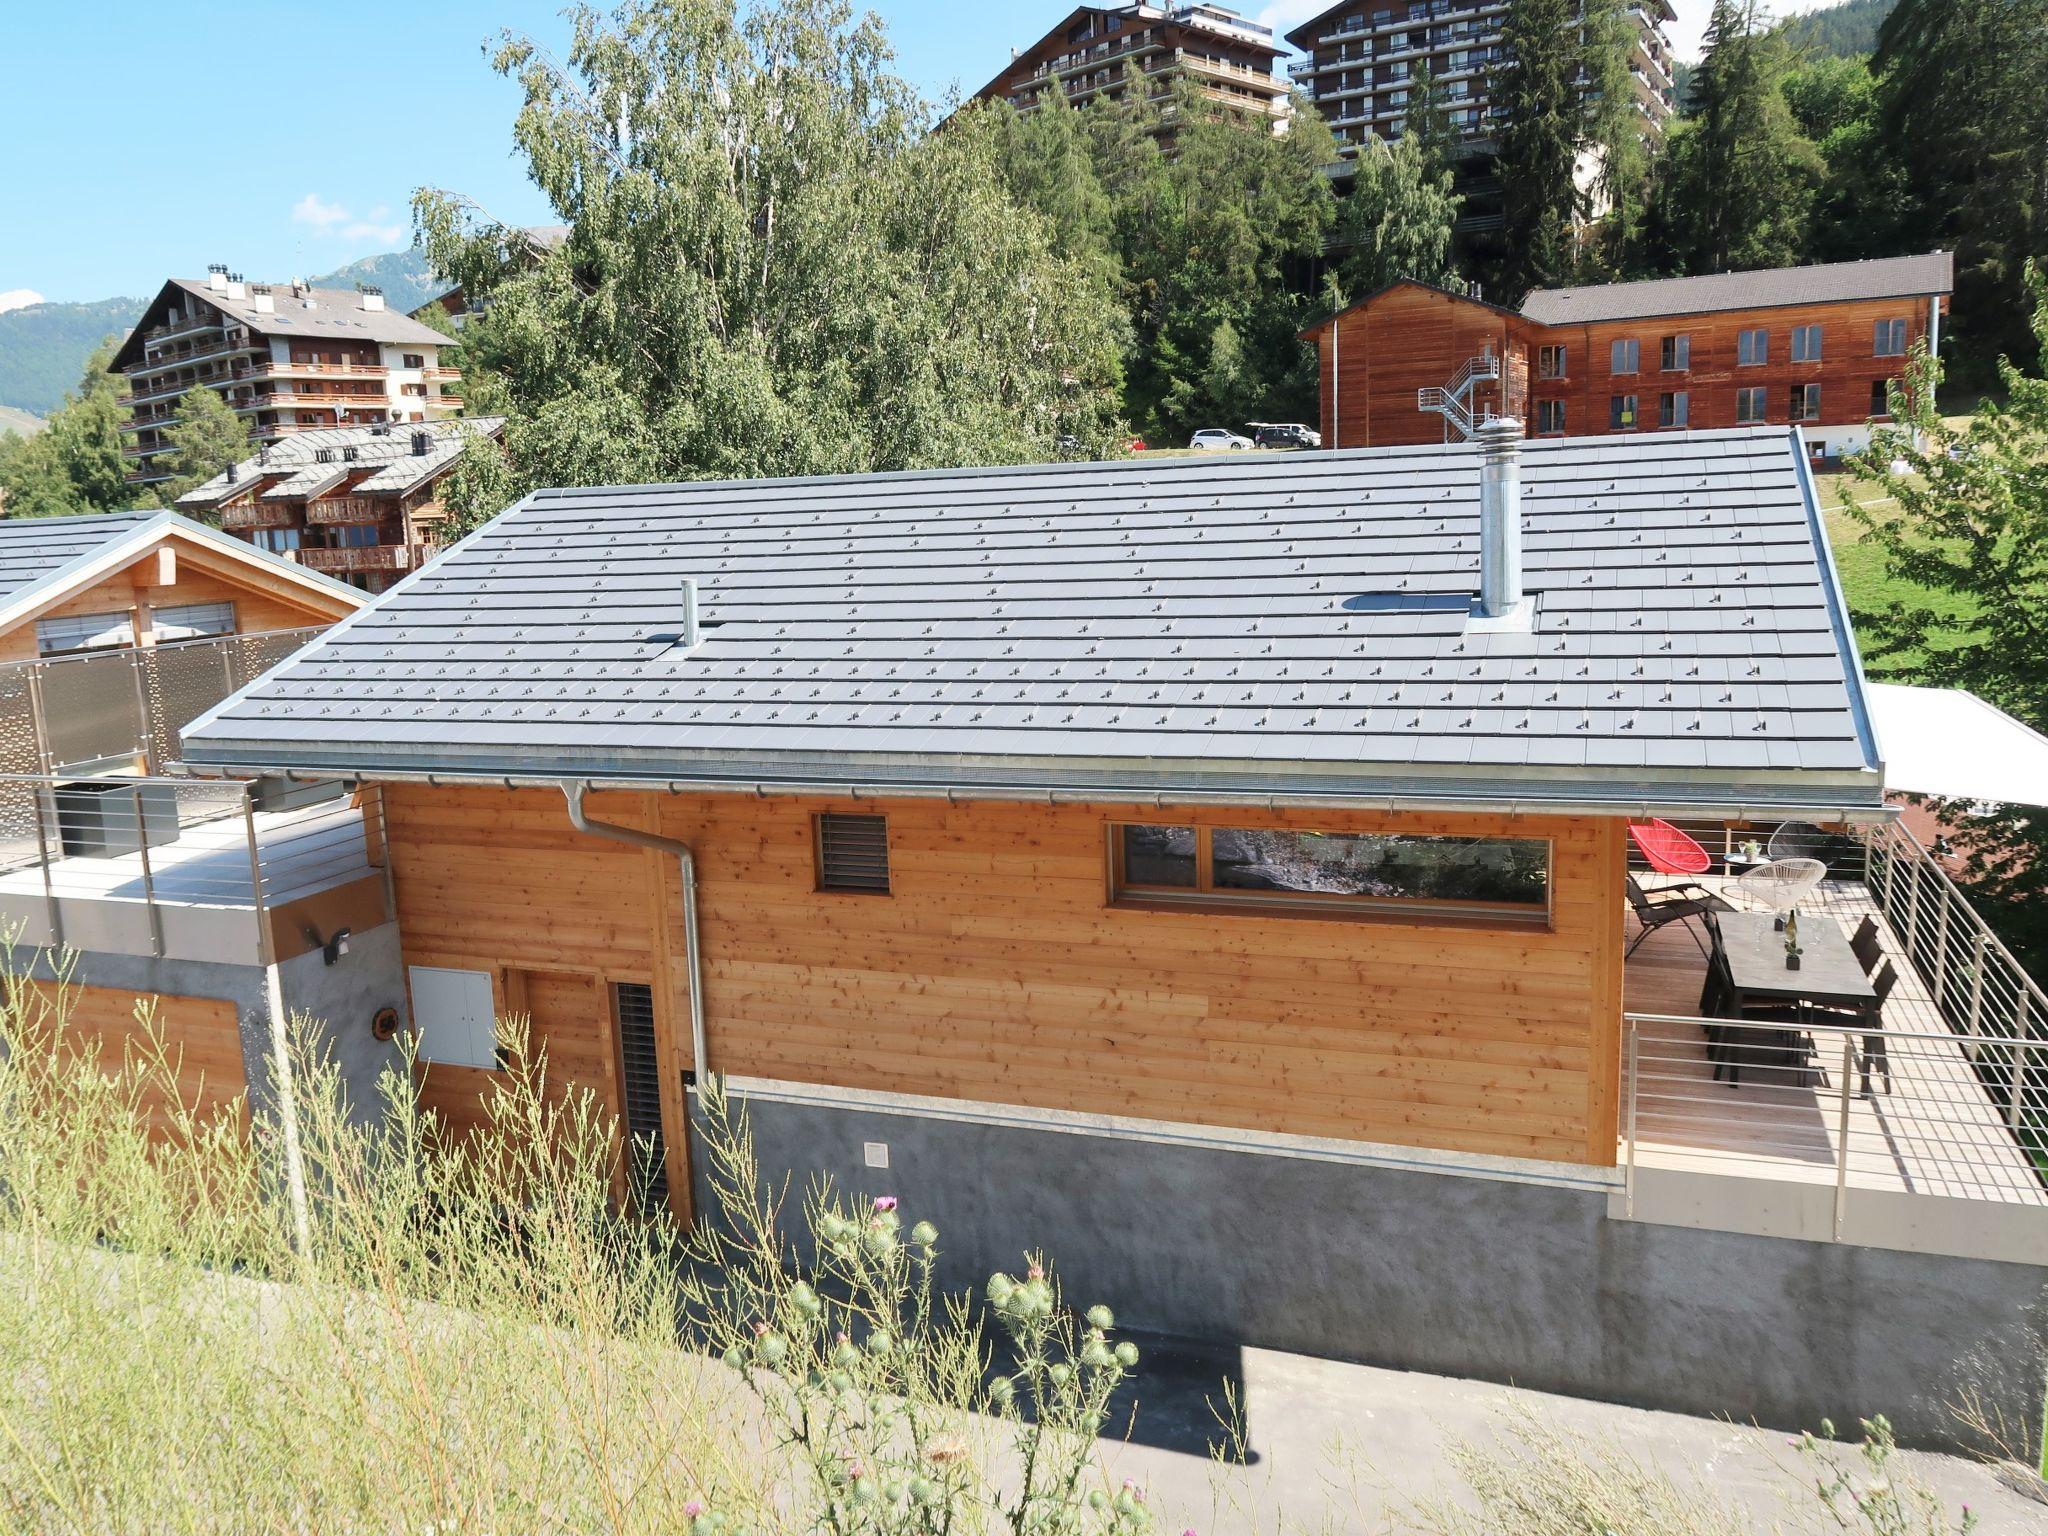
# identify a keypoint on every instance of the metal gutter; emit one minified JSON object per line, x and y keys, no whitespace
{"x":573,"y":791}
{"x":1838,"y":607}
{"x":1095,"y":794}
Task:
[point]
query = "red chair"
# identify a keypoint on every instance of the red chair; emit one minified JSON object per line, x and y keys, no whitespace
{"x":1668,"y":850}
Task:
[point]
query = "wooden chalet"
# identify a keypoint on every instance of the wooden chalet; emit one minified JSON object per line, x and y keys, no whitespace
{"x":1217,"y":873}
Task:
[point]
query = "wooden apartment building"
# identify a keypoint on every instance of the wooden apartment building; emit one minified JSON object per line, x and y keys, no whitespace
{"x":1813,"y":347}
{"x":286,"y":357}
{"x":1088,"y":56}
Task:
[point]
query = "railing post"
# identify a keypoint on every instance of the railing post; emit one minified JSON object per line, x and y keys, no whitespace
{"x":43,"y":855}
{"x":2019,"y":1059}
{"x":38,"y":721}
{"x":145,"y":737}
{"x":1913,"y":914}
{"x":1977,"y":953}
{"x":1941,"y":953}
{"x":1842,"y":1134}
{"x":1635,"y":1094}
{"x":156,"y":917}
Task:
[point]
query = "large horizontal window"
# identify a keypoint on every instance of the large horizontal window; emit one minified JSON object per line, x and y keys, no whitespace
{"x":1334,"y":873}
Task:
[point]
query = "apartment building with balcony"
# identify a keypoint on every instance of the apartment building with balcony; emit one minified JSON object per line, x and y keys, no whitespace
{"x":361,"y":504}
{"x":1364,"y":56}
{"x":287,"y":357}
{"x":1088,"y":56}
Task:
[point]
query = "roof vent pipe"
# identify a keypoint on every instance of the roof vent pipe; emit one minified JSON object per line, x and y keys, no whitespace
{"x":1500,"y":516}
{"x":690,"y":636}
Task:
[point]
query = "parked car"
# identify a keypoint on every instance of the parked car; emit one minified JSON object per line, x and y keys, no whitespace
{"x":1136,"y":445}
{"x":1286,"y":434}
{"x":1216,"y":438}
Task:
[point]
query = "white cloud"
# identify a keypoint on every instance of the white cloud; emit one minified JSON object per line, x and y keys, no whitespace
{"x":18,"y":298}
{"x":322,"y":216}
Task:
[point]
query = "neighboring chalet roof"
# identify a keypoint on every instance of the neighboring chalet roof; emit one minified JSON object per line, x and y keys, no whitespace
{"x":292,"y":466}
{"x":1260,"y":624}
{"x":1890,"y":277}
{"x":45,"y":559}
{"x":1309,"y":333}
{"x":335,"y":314}
{"x":539,"y":240}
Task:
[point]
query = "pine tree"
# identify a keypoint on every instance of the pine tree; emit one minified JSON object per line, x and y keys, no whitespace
{"x":207,"y":437}
{"x":1429,"y":121}
{"x":1542,"y":125}
{"x":1613,"y":132}
{"x":1963,"y":111}
{"x":1739,"y":179}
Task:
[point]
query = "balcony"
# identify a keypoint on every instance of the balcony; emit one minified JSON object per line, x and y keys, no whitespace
{"x":257,"y":515}
{"x":1925,"y":1127}
{"x":358,"y":558}
{"x":347,"y":510}
{"x":236,"y":873}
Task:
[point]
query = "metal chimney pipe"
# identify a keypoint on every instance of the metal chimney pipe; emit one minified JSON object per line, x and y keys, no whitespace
{"x":1500,"y":515}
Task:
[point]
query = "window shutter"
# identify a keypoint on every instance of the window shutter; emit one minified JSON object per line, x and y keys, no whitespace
{"x":84,"y":632}
{"x":193,"y":621}
{"x":640,"y":1083}
{"x":853,"y":852}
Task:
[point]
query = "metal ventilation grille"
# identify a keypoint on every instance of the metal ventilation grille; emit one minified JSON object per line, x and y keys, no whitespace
{"x":853,"y":852}
{"x":640,"y":1083}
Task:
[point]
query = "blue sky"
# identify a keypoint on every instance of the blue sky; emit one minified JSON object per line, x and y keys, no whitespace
{"x":286,"y":139}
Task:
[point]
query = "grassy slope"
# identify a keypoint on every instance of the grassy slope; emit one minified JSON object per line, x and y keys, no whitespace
{"x":19,"y":421}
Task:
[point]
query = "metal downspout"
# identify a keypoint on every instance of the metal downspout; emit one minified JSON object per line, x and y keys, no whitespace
{"x":573,"y":791}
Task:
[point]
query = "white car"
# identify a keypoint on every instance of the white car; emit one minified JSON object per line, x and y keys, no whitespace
{"x":1213,"y":438}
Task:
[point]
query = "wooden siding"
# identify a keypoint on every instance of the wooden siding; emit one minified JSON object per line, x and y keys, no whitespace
{"x":1375,"y":357}
{"x":1847,"y":368}
{"x":264,"y":599}
{"x":997,"y":970}
{"x":1409,"y":338}
{"x":202,"y":1035}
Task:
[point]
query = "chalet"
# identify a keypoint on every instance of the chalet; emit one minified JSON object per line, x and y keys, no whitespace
{"x":1236,"y":877}
{"x":1812,"y":347}
{"x":362,"y":504}
{"x":116,"y":580}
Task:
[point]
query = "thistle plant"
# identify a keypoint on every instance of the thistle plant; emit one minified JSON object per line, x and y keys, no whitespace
{"x":898,"y":1410}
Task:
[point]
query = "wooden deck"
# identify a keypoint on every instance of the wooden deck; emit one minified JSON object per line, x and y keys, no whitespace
{"x":1936,"y":1132}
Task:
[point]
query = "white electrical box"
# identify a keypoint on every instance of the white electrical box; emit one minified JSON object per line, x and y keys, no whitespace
{"x":455,"y":1017}
{"x":877,"y":1153}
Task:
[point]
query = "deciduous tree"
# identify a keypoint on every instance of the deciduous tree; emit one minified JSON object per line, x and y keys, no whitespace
{"x":207,"y":437}
{"x":1397,"y":220}
{"x":773,"y":266}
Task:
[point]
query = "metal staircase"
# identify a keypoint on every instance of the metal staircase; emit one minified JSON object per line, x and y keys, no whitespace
{"x":1453,"y":401}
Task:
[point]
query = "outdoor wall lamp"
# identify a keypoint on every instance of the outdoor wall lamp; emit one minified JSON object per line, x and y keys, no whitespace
{"x":333,"y":947}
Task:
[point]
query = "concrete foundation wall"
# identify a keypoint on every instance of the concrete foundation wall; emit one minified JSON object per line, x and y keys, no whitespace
{"x":1465,"y":1276}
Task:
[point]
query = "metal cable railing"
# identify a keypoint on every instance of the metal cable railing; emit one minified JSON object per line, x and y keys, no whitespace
{"x":1846,"y":1106}
{"x":98,"y":863}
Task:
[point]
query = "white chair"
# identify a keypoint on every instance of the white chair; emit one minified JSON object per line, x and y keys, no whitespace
{"x":1783,"y":883}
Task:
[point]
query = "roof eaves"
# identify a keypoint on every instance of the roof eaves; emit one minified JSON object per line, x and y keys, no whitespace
{"x":1308,"y":332}
{"x":1838,"y":607}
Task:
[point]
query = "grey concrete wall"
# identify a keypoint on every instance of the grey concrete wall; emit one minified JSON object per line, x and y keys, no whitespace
{"x":1473,"y":1277}
{"x":341,"y":998}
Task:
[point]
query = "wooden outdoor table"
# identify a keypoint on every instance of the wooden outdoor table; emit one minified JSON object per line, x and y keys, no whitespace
{"x":1829,"y":975}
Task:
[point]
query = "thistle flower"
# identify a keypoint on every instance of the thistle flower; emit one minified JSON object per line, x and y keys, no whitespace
{"x":1127,"y":1354}
{"x":1101,"y":1317}
{"x":946,"y":1450}
{"x":924,"y":1234}
{"x":804,"y":1299}
{"x":885,"y":1202}
{"x":693,"y":1508}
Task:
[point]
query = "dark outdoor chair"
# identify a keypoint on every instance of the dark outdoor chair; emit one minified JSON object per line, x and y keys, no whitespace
{"x":1671,"y":904}
{"x":1802,"y":840}
{"x":1864,"y":941}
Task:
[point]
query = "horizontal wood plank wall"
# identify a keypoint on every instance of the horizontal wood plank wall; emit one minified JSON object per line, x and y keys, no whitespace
{"x":202,"y":1036}
{"x":1845,"y":372}
{"x":1408,"y":339}
{"x":996,"y":970}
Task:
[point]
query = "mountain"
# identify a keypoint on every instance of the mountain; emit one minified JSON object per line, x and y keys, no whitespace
{"x":43,"y":348}
{"x":1848,"y":30}
{"x":403,"y":275}
{"x":19,"y":422}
